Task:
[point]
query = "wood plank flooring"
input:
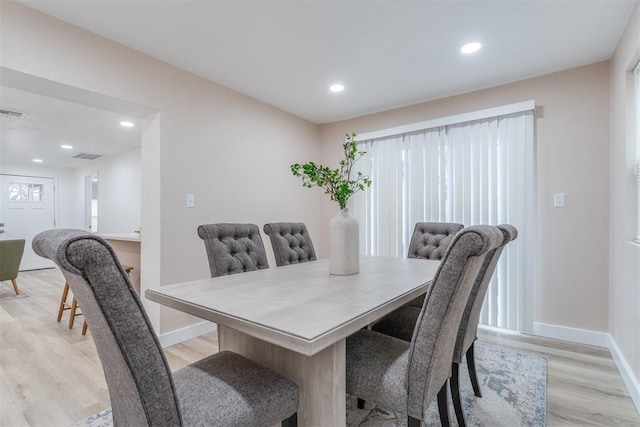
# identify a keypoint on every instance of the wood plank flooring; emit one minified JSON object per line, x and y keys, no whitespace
{"x":51,"y":375}
{"x":584,"y":386}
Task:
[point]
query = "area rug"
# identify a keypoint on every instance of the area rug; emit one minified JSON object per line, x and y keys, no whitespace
{"x":514,"y":393}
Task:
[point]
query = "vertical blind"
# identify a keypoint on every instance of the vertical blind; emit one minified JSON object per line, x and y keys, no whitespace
{"x":478,"y":172}
{"x":637,"y":89}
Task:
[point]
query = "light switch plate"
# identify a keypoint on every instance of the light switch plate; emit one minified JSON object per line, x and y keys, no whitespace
{"x":191,"y":200}
{"x":558,"y":200}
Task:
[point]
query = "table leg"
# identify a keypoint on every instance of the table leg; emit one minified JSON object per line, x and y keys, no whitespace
{"x":321,"y":377}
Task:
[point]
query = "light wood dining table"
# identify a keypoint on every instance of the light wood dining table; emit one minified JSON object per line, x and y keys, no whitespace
{"x":295,"y":319}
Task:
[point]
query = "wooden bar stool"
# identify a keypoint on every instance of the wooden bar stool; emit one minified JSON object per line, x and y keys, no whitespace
{"x":74,"y":304}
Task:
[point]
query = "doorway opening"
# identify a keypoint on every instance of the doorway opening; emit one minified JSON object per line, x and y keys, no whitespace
{"x":91,"y":203}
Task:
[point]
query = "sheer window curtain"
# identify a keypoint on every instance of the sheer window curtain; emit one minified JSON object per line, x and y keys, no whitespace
{"x":479,"y":172}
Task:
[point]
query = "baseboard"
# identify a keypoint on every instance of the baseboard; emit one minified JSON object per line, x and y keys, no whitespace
{"x":186,"y":333}
{"x":582,"y":336}
{"x":500,"y":330}
{"x":630,"y":380}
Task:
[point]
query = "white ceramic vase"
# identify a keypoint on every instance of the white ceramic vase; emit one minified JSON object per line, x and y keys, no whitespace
{"x":344,"y":250}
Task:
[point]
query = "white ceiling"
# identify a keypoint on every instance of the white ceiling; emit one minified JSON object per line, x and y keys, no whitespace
{"x":388,"y":54}
{"x":286,"y":53}
{"x":50,"y":122}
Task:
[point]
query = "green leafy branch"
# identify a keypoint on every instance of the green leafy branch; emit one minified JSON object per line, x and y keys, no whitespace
{"x":337,"y":183}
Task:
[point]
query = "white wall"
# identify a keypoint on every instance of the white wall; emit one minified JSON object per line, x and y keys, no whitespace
{"x":119,"y":191}
{"x":66,"y":190}
{"x":231,"y":151}
{"x":624,"y":256}
{"x":572,"y":145}
{"x":119,"y":198}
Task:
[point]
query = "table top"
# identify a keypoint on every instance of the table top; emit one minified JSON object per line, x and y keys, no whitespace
{"x":302,"y":307}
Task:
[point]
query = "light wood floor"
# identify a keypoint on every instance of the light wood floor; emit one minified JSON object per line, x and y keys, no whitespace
{"x":51,"y":376}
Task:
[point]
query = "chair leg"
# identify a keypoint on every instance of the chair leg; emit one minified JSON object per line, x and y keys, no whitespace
{"x":443,"y":406}
{"x":63,"y":301}
{"x":413,"y":422}
{"x":360,"y":403}
{"x":292,"y":421}
{"x":72,"y":317}
{"x":471,"y":365}
{"x":84,"y":328}
{"x":454,"y":382}
{"x":15,"y":286}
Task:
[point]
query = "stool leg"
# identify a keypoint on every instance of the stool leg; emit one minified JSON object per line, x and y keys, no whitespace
{"x":15,"y":286}
{"x":72,"y":317}
{"x":84,"y":328}
{"x":63,"y":301}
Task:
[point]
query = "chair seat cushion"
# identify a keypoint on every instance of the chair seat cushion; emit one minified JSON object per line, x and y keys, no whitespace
{"x":377,"y":369}
{"x":226,"y":389}
{"x":399,"y":323}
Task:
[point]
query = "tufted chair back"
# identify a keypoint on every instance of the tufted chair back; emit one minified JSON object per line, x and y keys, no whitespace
{"x":233,"y":248}
{"x":291,"y":242}
{"x":430,"y":240}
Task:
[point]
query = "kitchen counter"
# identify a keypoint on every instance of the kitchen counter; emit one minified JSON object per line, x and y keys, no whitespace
{"x":127,"y":249}
{"x":126,"y":237}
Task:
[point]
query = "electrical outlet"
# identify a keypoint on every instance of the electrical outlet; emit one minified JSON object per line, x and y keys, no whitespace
{"x":191,"y":200}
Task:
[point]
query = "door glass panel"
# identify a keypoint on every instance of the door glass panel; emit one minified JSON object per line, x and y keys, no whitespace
{"x":25,"y":192}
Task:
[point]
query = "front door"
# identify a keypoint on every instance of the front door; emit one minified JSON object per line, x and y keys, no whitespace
{"x":26,"y":209}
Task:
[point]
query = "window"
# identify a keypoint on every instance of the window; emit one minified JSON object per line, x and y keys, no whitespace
{"x":637,"y":89}
{"x":471,"y":172}
{"x":24,"y":192}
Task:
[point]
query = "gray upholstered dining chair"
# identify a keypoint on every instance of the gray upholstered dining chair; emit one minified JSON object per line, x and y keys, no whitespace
{"x":406,"y":376}
{"x":233,"y":248}
{"x":430,"y":240}
{"x":291,"y":242}
{"x":468,"y":333}
{"x":224,"y":389}
{"x":11,"y":252}
{"x":401,"y":323}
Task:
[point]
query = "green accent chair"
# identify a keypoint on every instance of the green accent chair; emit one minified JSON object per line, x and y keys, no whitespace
{"x":10,"y":256}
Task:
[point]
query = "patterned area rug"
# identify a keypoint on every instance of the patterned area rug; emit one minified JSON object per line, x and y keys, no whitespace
{"x":514,"y":393}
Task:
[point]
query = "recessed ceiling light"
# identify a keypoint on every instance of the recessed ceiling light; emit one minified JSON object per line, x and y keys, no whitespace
{"x":336,"y":87}
{"x":127,"y":124}
{"x":471,"y":47}
{"x":67,"y":147}
{"x":37,"y":160}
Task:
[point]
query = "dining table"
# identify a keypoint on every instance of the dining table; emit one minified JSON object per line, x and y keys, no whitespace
{"x":295,"y":319}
